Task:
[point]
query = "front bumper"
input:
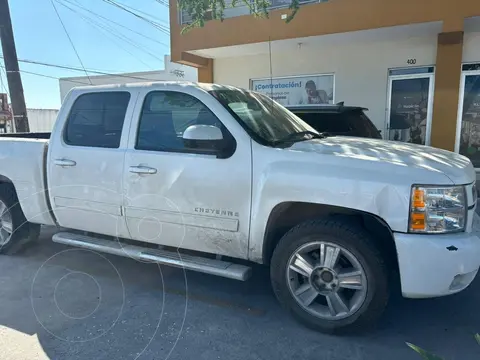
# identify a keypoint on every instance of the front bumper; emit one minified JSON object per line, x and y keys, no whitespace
{"x":437,"y":265}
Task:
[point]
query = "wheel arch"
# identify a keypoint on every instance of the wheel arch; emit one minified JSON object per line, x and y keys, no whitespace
{"x":6,"y":180}
{"x":287,"y":215}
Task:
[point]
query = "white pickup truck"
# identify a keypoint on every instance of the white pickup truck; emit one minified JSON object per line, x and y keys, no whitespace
{"x":204,"y":177}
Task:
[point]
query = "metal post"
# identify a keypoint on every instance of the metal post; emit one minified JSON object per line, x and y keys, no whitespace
{"x":19,"y":109}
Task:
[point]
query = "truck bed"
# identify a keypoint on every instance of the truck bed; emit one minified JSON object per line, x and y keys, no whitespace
{"x":22,"y":162}
{"x":29,"y":135}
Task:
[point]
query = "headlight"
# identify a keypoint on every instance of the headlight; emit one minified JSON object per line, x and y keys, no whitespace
{"x":437,"y":209}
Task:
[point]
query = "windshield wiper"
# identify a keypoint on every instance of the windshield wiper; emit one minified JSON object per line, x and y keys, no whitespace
{"x":300,"y":136}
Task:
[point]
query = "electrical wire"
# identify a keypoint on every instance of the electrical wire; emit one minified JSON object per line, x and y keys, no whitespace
{"x":164,"y":27}
{"x":70,"y":39}
{"x":158,"y":26}
{"x":48,"y":76}
{"x":112,"y":21}
{"x":65,"y":67}
{"x":112,"y":31}
{"x":141,"y":12}
{"x":108,"y":31}
{"x":164,"y":3}
{"x":6,"y":79}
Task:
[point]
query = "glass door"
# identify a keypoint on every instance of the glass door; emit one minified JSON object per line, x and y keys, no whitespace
{"x":468,"y":121}
{"x":410,"y":104}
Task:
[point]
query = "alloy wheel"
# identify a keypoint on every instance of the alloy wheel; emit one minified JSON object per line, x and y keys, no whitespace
{"x":326,"y":280}
{"x":6,"y":224}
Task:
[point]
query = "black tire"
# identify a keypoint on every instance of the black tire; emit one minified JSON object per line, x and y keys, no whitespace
{"x":357,"y":241}
{"x":23,"y":232}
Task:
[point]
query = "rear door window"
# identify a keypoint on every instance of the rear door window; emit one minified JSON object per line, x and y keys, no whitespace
{"x":96,"y":119}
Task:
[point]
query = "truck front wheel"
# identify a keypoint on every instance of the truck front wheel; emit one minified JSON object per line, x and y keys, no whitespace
{"x":15,"y":230}
{"x":330,"y":275}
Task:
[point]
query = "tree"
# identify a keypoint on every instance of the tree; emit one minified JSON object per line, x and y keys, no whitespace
{"x":205,"y":10}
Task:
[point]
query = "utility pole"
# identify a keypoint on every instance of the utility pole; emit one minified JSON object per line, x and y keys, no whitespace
{"x":15,"y":86}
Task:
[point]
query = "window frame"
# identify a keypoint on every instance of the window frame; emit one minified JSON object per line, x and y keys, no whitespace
{"x":68,"y":119}
{"x":227,"y":135}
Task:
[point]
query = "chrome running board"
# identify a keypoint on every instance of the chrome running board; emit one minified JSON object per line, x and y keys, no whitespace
{"x":165,"y":257}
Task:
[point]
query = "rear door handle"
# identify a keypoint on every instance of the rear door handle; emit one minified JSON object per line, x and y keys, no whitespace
{"x":64,"y":162}
{"x":142,"y":170}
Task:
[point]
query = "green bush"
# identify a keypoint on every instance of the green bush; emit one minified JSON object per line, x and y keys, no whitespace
{"x":428,"y":355}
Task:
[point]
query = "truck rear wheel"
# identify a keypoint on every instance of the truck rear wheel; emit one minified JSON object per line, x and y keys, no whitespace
{"x":330,"y":276}
{"x":15,"y":230}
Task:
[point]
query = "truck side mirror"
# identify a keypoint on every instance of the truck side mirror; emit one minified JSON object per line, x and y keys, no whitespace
{"x":203,"y":138}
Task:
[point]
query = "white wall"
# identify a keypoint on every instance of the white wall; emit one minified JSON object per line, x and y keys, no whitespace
{"x":171,"y":72}
{"x":361,"y":68}
{"x":41,"y":120}
{"x":471,"y":47}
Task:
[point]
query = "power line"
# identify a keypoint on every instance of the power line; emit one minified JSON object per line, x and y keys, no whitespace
{"x":109,"y":71}
{"x":111,"y":32}
{"x":141,"y":12}
{"x":164,"y":3}
{"x":158,"y":26}
{"x":48,"y":76}
{"x":65,"y":67}
{"x":70,"y":39}
{"x":1,"y":80}
{"x":134,"y":12}
{"x":114,"y":22}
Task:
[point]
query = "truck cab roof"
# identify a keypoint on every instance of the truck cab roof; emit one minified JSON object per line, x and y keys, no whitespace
{"x":153,"y":84}
{"x":338,"y":108}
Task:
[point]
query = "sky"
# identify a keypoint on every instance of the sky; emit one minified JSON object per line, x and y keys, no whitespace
{"x":103,"y":46}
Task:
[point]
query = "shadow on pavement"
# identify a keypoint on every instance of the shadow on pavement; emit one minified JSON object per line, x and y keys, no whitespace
{"x":84,"y":305}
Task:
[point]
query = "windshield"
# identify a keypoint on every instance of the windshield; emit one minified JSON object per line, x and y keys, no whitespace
{"x":266,"y":121}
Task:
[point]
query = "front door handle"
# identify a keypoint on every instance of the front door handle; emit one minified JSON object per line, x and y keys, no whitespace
{"x":64,"y":162}
{"x":142,"y":170}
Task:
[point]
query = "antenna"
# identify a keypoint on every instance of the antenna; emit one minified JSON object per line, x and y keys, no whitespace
{"x":271,"y":71}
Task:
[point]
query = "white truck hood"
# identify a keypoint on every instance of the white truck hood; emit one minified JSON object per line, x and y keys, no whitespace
{"x":398,"y":155}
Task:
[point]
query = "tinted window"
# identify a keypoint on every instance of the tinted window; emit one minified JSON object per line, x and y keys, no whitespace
{"x":96,"y":120}
{"x":326,"y":122}
{"x":350,"y":123}
{"x":165,"y":116}
{"x":363,"y":126}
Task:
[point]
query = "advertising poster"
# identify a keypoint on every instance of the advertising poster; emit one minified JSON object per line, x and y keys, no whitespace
{"x":297,"y":90}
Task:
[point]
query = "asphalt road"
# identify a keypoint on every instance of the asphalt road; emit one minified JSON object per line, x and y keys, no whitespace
{"x":63,"y":303}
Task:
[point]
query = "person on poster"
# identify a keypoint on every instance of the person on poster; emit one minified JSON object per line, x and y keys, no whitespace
{"x":315,"y":96}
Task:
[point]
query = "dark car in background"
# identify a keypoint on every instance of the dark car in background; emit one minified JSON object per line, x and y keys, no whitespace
{"x":338,"y":120}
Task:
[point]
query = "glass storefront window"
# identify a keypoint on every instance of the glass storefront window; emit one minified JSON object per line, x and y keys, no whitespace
{"x":470,"y":131}
{"x":409,"y":109}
